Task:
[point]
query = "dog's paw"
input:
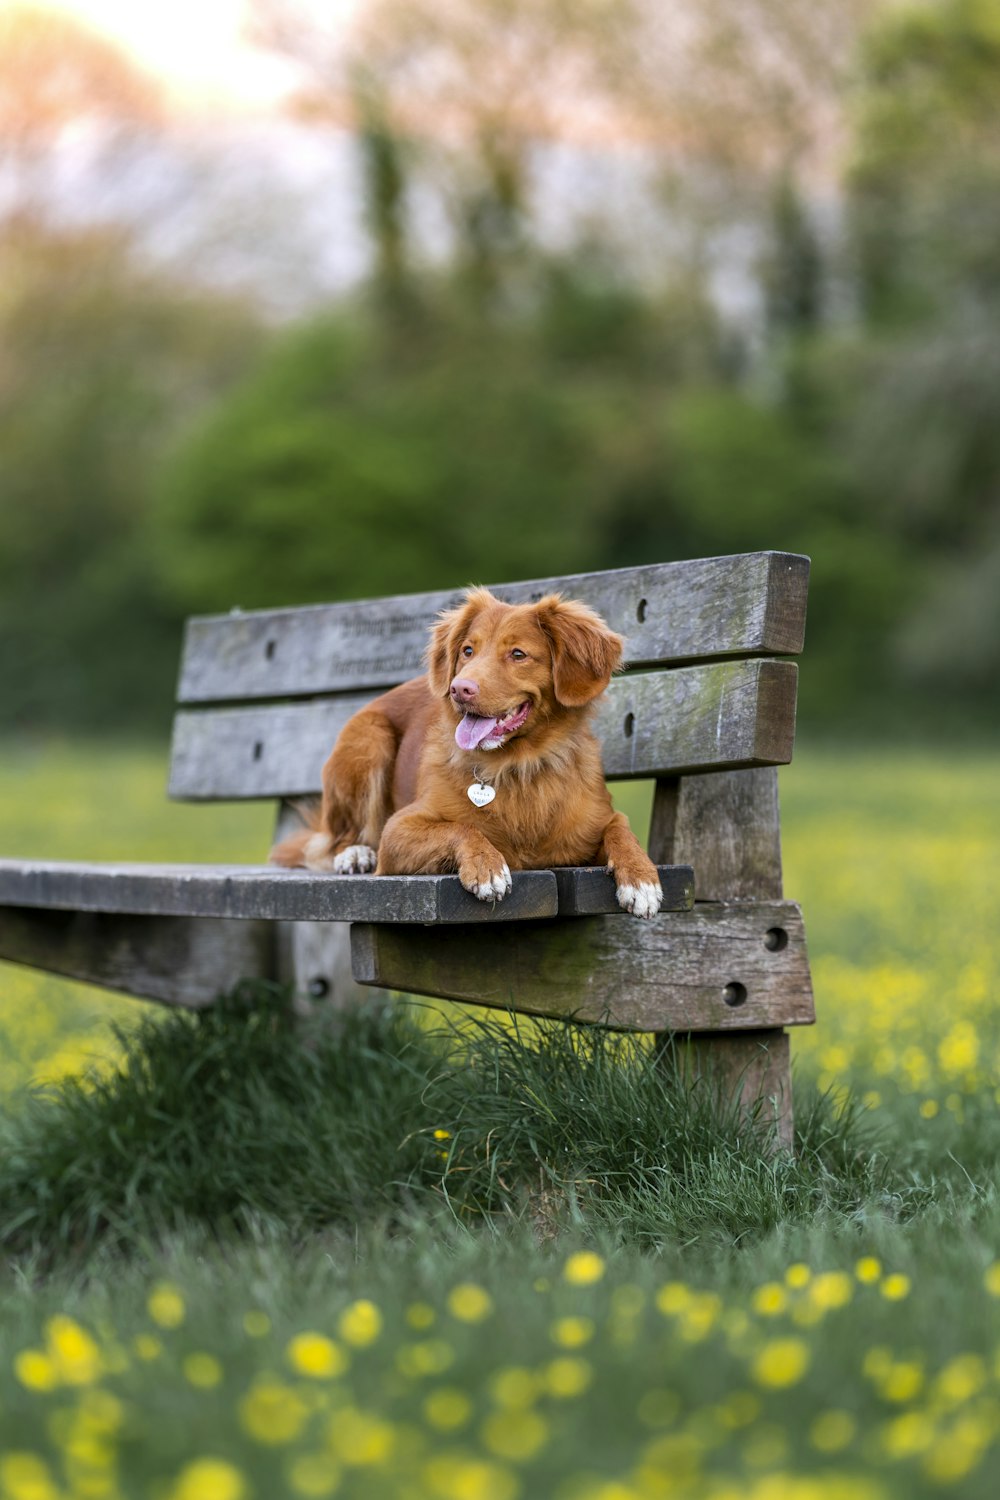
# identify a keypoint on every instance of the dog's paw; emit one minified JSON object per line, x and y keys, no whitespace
{"x":356,"y":859}
{"x":642,"y":900}
{"x":486,"y":881}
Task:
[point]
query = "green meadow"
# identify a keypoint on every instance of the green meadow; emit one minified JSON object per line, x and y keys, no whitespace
{"x":441,"y":1257}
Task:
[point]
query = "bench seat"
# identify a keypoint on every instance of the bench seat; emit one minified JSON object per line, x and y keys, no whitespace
{"x":248,"y":892}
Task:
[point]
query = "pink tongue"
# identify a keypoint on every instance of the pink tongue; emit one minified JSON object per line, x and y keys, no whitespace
{"x":472,"y":730}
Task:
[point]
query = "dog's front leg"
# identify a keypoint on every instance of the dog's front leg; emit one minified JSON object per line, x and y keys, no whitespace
{"x":637,"y":883}
{"x":416,"y":843}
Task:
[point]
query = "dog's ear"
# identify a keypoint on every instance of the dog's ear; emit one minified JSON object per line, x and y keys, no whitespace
{"x":585,"y":652}
{"x":447,"y":636}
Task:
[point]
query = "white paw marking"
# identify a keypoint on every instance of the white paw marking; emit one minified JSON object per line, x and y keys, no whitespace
{"x":641,"y":900}
{"x":356,"y":859}
{"x":316,"y":853}
{"x":495,"y":889}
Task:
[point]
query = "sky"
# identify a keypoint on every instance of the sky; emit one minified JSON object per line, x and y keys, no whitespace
{"x":195,"y":46}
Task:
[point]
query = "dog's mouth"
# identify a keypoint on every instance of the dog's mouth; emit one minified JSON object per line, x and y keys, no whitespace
{"x":477,"y":732}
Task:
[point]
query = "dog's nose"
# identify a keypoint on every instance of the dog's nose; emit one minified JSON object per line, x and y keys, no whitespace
{"x":464,"y":690}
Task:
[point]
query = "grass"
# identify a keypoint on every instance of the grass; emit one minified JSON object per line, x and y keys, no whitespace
{"x":434,"y":1256}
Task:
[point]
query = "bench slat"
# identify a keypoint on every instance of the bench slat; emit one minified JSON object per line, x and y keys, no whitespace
{"x":749,"y":604}
{"x":718,"y":716}
{"x":671,"y":974}
{"x":248,"y":892}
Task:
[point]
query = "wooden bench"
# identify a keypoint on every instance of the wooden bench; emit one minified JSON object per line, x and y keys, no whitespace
{"x":706,"y":709}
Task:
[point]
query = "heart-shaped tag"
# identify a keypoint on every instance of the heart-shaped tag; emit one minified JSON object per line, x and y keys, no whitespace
{"x":481,"y":794}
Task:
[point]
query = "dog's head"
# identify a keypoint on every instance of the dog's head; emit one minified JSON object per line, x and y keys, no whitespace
{"x":509,"y":668}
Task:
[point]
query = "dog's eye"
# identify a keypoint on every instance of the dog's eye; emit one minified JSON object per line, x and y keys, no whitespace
{"x":518,"y":654}
{"x":466,"y":650}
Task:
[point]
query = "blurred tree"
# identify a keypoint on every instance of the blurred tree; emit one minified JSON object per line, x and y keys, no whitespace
{"x":100,"y":363}
{"x":792,"y":270}
{"x":925,"y":199}
{"x":924,"y":181}
{"x":354,"y":462}
{"x":55,"y":73}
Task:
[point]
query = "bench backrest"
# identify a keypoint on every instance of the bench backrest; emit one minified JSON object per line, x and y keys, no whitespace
{"x":709,"y":684}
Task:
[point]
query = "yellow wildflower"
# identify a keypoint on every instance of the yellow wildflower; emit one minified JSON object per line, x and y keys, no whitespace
{"x":469,"y":1303}
{"x":25,"y":1476}
{"x":781,"y":1362}
{"x":514,"y":1386}
{"x":895,"y":1287}
{"x":315,"y":1355}
{"x":447,"y":1408}
{"x":314,"y":1474}
{"x":902,"y":1381}
{"x":584,"y":1268}
{"x":166,"y":1305}
{"x":35,"y":1370}
{"x":209,"y":1479}
{"x":831,"y":1289}
{"x":273,"y":1413}
{"x":74,"y":1354}
{"x":453,"y":1477}
{"x":202,"y":1370}
{"x":360,"y":1439}
{"x":568,"y":1376}
{"x":360,"y":1323}
{"x":769,"y":1299}
{"x":571,"y":1333}
{"x":517,"y":1435}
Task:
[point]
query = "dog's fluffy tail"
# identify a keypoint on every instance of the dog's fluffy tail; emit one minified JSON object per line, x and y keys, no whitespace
{"x":292,"y":851}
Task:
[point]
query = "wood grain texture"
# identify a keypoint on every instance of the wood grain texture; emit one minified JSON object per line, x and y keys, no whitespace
{"x":757,"y":1064}
{"x":177,"y":960}
{"x":314,"y":958}
{"x":248,"y":892}
{"x":715,"y":968}
{"x":716,"y":716}
{"x":749,"y":604}
{"x":728,"y":826}
{"x":589,"y":892}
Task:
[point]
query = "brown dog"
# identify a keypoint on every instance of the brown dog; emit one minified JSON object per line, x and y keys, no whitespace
{"x":486,"y":764}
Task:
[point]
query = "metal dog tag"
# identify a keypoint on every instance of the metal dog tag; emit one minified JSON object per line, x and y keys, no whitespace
{"x":481,"y":794}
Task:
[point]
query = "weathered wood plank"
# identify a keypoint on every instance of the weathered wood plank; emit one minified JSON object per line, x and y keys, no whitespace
{"x":719,"y":967}
{"x":247,"y":892}
{"x":755,"y":1065}
{"x":730,"y":825}
{"x":732,"y":821}
{"x":711,"y":717}
{"x":314,"y":958}
{"x":184,"y":961}
{"x":750,"y":604}
{"x":590,"y":892}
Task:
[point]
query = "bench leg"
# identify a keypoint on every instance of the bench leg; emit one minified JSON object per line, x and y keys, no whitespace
{"x":727,"y":826}
{"x":315,"y":959}
{"x":751,"y":1065}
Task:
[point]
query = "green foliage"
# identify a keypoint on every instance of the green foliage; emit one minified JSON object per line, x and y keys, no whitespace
{"x":381,"y":1117}
{"x":451,"y":447}
{"x":927,"y":157}
{"x":101,"y":364}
